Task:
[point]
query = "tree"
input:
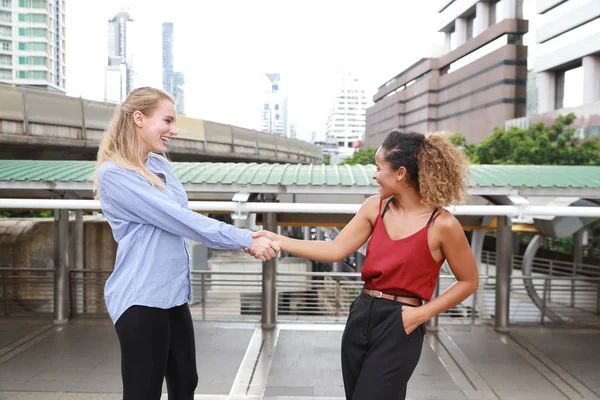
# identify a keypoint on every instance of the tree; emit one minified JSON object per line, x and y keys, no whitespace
{"x":555,"y":144}
{"x":26,"y":214}
{"x":327,"y":159}
{"x":362,"y":157}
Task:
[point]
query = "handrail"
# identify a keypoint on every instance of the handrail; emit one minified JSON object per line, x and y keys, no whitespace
{"x":518,"y":211}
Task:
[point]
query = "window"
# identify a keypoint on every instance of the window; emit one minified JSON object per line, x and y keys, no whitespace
{"x":5,"y":46}
{"x":5,"y":31}
{"x":32,"y":60}
{"x":5,"y":60}
{"x":276,"y":107}
{"x":40,"y":18}
{"x":32,"y":3}
{"x":266,"y":106}
{"x":5,"y":74}
{"x":5,"y":3}
{"x":5,"y":16}
{"x":34,"y":32}
{"x":32,"y":46}
{"x":38,"y":75}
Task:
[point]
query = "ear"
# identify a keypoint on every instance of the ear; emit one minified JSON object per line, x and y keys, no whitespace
{"x":401,"y":174}
{"x":138,"y":118}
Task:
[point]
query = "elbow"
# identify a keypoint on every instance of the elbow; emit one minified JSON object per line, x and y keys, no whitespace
{"x":473,"y":285}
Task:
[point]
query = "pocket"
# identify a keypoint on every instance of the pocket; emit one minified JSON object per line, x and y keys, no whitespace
{"x":401,"y":318}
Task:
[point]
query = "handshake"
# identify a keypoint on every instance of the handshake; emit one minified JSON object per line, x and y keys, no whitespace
{"x":264,"y":245}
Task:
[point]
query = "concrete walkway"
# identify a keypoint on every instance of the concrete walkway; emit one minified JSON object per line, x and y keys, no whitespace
{"x":39,"y":361}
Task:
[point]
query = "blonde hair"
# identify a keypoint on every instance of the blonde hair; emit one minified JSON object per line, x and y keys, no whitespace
{"x":120,"y":143}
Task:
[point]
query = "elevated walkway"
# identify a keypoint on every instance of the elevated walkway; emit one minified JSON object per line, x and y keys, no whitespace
{"x":302,"y":361}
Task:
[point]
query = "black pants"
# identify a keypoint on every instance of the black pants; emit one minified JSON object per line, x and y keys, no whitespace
{"x":378,"y":357}
{"x":157,"y":344}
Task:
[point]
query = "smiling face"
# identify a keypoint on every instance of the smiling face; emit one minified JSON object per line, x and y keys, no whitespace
{"x":154,"y":131}
{"x":387,"y":179}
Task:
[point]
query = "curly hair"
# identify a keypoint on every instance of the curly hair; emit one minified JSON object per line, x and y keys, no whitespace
{"x":438,"y":170}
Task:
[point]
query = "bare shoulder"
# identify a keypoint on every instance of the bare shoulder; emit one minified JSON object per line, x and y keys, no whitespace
{"x":447,"y":224}
{"x":370,"y":208}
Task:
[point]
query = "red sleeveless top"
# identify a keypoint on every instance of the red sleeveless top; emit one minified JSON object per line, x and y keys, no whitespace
{"x":402,"y":267}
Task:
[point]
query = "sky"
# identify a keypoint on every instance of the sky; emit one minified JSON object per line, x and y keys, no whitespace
{"x":223,"y":46}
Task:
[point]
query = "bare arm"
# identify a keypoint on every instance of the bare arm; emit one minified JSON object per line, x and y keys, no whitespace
{"x":354,"y":235}
{"x":457,"y":252}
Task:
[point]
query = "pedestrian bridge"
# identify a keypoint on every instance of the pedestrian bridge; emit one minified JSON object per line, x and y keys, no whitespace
{"x":43,"y":125}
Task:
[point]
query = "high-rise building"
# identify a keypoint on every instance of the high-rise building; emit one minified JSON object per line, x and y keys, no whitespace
{"x":274,"y":106}
{"x":477,"y":84}
{"x":172,"y":81}
{"x":179,"y":92}
{"x":167,"y":56}
{"x":32,"y":43}
{"x":118,"y":73}
{"x":346,"y":121}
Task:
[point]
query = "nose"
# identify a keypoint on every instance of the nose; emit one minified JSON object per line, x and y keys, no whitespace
{"x":173,"y":131}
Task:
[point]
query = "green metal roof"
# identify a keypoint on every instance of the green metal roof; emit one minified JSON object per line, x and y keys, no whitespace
{"x":547,"y":180}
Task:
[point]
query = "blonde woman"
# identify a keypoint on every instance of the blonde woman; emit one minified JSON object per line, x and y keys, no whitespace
{"x":410,"y":237}
{"x":146,"y":206}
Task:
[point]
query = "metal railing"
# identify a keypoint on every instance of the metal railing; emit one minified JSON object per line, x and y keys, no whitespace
{"x":545,"y":266}
{"x":26,"y":291}
{"x":87,"y":291}
{"x":302,"y":296}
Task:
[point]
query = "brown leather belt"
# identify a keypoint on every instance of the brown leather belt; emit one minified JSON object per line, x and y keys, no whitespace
{"x":400,"y":299}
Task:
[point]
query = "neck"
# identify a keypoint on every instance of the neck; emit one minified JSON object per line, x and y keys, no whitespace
{"x":409,"y":201}
{"x":144,"y":154}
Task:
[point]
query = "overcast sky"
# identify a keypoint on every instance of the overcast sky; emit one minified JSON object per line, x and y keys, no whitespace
{"x":223,"y":46}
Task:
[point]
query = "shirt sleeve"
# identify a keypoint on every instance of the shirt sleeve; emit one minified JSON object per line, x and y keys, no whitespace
{"x":130,"y":197}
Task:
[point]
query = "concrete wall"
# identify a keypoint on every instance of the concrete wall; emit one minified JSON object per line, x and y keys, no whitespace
{"x":29,"y":243}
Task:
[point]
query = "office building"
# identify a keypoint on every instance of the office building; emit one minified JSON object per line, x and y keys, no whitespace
{"x":32,"y":43}
{"x":476,"y":84}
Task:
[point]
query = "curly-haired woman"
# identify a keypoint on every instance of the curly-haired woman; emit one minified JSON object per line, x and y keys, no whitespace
{"x":411,"y":235}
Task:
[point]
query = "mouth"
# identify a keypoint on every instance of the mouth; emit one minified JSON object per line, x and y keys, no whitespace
{"x":165,"y":140}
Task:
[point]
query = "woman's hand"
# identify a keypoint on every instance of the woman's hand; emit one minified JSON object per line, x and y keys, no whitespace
{"x":263,"y":248}
{"x":412,"y":317}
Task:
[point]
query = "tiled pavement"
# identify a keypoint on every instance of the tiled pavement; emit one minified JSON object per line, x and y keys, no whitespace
{"x":39,"y":361}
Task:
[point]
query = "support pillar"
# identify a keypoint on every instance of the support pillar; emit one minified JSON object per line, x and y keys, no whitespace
{"x":482,"y":18}
{"x":306,"y":232}
{"x":433,"y":324}
{"x":547,"y":92}
{"x":460,"y":30}
{"x":447,"y":42}
{"x":591,"y":79}
{"x":78,"y":258}
{"x":504,"y":255}
{"x":269,"y":274}
{"x":337,"y":266}
{"x":61,"y":267}
{"x":512,"y":9}
{"x":577,"y":259}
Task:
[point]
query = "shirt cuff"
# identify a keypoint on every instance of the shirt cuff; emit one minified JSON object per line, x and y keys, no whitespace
{"x":244,"y":238}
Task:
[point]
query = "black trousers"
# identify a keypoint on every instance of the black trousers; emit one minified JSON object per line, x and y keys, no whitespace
{"x":157,"y":344}
{"x":378,"y":357}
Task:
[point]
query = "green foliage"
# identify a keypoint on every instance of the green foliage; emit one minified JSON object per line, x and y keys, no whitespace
{"x":327,"y":159}
{"x":27,"y":214}
{"x":362,"y":157}
{"x":555,"y":144}
{"x":460,"y":141}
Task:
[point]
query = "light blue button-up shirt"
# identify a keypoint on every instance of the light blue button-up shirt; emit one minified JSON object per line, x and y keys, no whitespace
{"x":152,"y":228}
